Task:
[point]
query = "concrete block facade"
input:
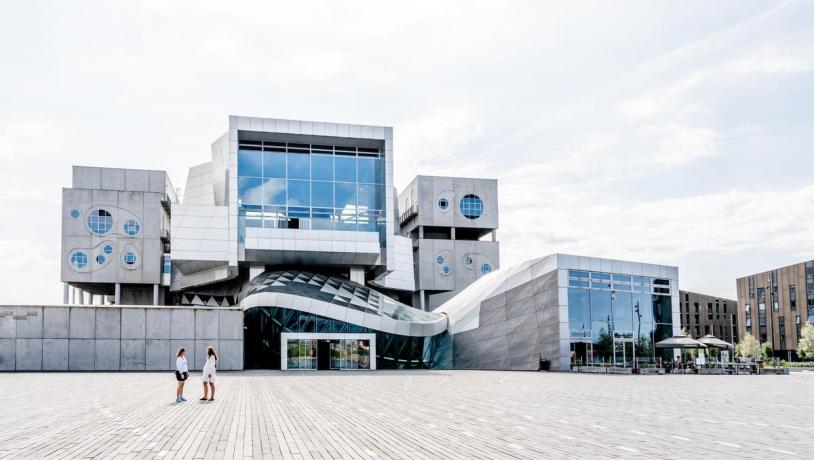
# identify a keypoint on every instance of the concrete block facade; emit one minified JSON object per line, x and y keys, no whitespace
{"x":113,"y":338}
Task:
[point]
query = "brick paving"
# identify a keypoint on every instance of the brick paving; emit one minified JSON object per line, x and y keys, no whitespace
{"x":408,"y":414}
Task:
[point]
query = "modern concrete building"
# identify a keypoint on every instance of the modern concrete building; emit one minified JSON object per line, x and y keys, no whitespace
{"x":116,"y":235}
{"x":566,"y":310}
{"x":704,"y":314}
{"x":452,"y":223}
{"x":293,"y":229}
{"x":775,"y":304}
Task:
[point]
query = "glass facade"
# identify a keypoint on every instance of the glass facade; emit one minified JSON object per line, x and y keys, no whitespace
{"x":616,"y":319}
{"x":263,"y":326}
{"x":285,"y":185}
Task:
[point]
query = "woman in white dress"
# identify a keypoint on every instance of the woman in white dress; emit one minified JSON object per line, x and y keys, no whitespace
{"x":209,"y":374}
{"x":181,"y":373}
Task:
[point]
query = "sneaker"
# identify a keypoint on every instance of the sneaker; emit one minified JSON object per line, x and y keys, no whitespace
{"x":177,"y":400}
{"x":183,"y":399}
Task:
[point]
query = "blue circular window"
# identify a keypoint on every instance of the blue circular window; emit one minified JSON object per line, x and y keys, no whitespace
{"x":131,"y":227}
{"x":486,"y":268}
{"x":108,"y":249}
{"x":443,"y":203}
{"x":471,"y":206}
{"x":439,"y":260}
{"x":446,"y":270}
{"x":129,"y":258}
{"x":74,"y":214}
{"x":79,"y":259}
{"x":100,"y":221}
{"x":100,"y":259}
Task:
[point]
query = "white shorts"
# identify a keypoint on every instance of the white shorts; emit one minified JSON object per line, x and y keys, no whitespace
{"x":208,"y":377}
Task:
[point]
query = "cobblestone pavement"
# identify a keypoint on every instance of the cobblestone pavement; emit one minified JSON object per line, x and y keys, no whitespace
{"x":408,"y":414}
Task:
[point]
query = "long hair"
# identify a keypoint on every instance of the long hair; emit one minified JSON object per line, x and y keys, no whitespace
{"x":180,"y":352}
{"x":210,"y":351}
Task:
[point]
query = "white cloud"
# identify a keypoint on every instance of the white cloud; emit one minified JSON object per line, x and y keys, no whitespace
{"x":599,"y":120}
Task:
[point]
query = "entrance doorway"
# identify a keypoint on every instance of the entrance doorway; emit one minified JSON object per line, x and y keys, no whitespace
{"x":624,"y":352}
{"x":328,"y":351}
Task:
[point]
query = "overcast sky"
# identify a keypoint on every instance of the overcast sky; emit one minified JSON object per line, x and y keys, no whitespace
{"x":677,"y":133}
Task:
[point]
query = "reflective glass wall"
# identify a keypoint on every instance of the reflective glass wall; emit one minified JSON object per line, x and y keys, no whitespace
{"x":615,"y":319}
{"x":263,"y":326}
{"x":305,"y":186}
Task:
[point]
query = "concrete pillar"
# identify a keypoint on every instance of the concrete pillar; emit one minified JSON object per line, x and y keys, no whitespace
{"x":452,"y":233}
{"x":155,"y":294}
{"x":421,"y":302}
{"x":117,"y":298}
{"x":65,"y":293}
{"x":494,"y":235}
{"x":81,"y":296}
{"x":420,"y":232}
{"x":357,"y":275}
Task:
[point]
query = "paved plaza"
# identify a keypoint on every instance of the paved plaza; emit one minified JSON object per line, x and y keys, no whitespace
{"x":407,"y":414}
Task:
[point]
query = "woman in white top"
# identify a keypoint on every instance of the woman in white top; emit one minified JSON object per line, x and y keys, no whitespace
{"x":209,"y":373}
{"x":181,"y":373}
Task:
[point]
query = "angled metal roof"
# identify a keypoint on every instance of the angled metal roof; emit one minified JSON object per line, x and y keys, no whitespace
{"x":340,"y":299}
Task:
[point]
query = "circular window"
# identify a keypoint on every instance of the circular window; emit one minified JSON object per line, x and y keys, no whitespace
{"x":439,"y":260}
{"x":108,"y":249}
{"x":100,"y":221}
{"x":100,"y":259}
{"x":468,"y":261}
{"x":443,"y":203}
{"x":131,"y":227}
{"x":471,"y":206}
{"x":129,"y":258}
{"x":79,"y":259}
{"x":486,"y":268}
{"x":445,"y":270}
{"x":74,"y":214}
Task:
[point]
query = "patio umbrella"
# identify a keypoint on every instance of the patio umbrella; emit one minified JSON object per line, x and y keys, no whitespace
{"x":712,"y":341}
{"x":680,"y":341}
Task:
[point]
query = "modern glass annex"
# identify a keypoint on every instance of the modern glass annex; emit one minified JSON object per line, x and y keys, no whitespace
{"x":616,"y":318}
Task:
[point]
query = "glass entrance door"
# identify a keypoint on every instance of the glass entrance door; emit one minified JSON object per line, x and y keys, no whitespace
{"x":350,"y":354}
{"x":624,"y":352}
{"x":302,"y":354}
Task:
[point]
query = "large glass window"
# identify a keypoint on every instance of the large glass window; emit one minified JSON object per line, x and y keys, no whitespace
{"x":273,"y":165}
{"x":299,"y":166}
{"x":622,"y":307}
{"x":370,"y":171}
{"x":322,"y":167}
{"x":250,"y":163}
{"x":250,"y":190}
{"x":616,"y":319}
{"x":345,"y":168}
{"x":579,"y":312}
{"x":318,"y":190}
{"x":601,"y":306}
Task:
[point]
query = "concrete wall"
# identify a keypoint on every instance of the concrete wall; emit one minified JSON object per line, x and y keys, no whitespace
{"x":113,"y":338}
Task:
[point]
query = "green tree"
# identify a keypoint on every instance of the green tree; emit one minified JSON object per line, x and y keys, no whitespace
{"x":766,"y":350}
{"x":749,"y":347}
{"x":805,"y":346}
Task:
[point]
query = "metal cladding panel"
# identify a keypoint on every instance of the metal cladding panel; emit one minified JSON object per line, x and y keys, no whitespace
{"x":340,"y":299}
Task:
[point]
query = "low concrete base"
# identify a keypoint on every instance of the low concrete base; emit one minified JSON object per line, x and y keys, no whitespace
{"x":774,"y":371}
{"x":116,"y":337}
{"x":651,"y":371}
